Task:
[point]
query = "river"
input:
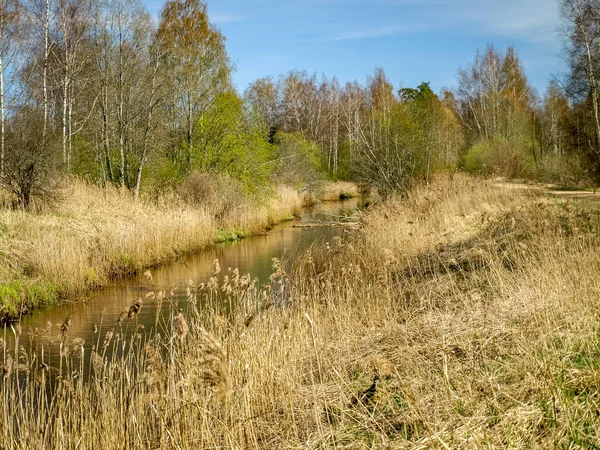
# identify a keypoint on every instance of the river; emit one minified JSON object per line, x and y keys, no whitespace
{"x":91,"y":317}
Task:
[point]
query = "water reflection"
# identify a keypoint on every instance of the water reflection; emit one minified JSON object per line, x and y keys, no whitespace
{"x":91,"y":318}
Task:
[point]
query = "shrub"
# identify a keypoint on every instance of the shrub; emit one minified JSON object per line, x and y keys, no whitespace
{"x":218,"y":193}
{"x":569,"y":172}
{"x":299,"y":163}
{"x":163,"y":178}
{"x":501,"y":157}
{"x":31,"y":165}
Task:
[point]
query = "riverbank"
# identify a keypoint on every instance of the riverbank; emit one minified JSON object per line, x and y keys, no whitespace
{"x":463,"y":317}
{"x":95,"y":235}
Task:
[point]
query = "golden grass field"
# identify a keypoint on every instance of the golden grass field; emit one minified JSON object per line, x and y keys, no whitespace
{"x":465,"y":317}
{"x":96,"y":234}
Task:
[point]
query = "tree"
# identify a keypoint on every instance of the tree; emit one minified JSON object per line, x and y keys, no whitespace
{"x":556,"y":117}
{"x":581,"y":29}
{"x":479,"y":97}
{"x":496,"y":108}
{"x":197,"y":62}
{"x":437,"y":125}
{"x":9,"y":19}
{"x":73,"y":32}
{"x":226,"y":143}
{"x":31,"y":166}
{"x":263,"y":98}
{"x":298,"y":162}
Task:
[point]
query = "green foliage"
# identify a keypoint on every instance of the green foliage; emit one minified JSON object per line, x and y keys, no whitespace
{"x":422,"y":93}
{"x":474,"y":160}
{"x":20,"y":297}
{"x":163,"y":175}
{"x":502,"y":157}
{"x":225,"y":143}
{"x":405,"y":140}
{"x":298,"y":162}
{"x":231,"y":235}
{"x":344,"y":170}
{"x":84,"y":161}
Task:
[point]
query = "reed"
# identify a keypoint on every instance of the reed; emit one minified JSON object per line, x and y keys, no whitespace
{"x":96,"y":235}
{"x":340,"y":190}
{"x":463,"y":317}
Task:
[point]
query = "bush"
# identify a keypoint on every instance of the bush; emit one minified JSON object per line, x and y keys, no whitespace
{"x":501,"y":157}
{"x":569,"y":172}
{"x":220,"y":194}
{"x":163,"y":178}
{"x":225,"y":142}
{"x":32,"y":162}
{"x":299,"y":163}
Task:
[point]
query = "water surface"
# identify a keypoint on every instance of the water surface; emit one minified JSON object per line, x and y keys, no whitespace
{"x":98,"y":313}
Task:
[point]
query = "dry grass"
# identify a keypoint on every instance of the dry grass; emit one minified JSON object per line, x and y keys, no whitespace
{"x":465,"y":317}
{"x":97,"y":234}
{"x":339,"y":191}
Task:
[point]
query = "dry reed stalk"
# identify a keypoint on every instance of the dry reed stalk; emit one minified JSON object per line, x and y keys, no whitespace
{"x":464,"y":317}
{"x":96,"y":234}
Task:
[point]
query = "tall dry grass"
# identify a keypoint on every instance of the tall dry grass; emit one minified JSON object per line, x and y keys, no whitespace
{"x":96,"y":234}
{"x":340,"y":190}
{"x":465,"y":317}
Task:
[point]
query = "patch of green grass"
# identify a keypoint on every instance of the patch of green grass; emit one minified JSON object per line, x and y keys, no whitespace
{"x":582,"y":432}
{"x":287,"y":218}
{"x":549,"y":408}
{"x":91,"y":278}
{"x":231,"y":235}
{"x":463,"y":409}
{"x":584,"y":360}
{"x":20,"y":297}
{"x":493,"y":415}
{"x":124,"y":265}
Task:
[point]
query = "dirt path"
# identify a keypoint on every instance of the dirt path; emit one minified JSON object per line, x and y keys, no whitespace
{"x":547,"y":190}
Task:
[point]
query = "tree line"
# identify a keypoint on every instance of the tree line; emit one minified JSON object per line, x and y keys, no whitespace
{"x":98,"y":89}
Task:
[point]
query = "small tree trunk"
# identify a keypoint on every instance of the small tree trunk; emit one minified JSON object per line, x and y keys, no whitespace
{"x":105,"y":142}
{"x":2,"y":120}
{"x":46,"y":56}
{"x":144,"y":156}
{"x":120,"y":110}
{"x":65,"y":84}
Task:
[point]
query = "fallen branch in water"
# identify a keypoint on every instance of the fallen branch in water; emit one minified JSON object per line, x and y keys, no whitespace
{"x":326,"y":224}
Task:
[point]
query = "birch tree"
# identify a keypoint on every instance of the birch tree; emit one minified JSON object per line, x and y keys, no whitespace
{"x":8,"y":49}
{"x":197,"y":64}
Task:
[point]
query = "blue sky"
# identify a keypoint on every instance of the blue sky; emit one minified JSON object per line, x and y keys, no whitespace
{"x":413,"y":40}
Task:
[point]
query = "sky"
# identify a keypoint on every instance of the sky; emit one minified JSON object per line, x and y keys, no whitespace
{"x":412,"y":40}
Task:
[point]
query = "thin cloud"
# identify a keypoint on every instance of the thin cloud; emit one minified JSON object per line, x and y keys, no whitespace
{"x":220,"y":19}
{"x":535,"y":21}
{"x":383,"y":31}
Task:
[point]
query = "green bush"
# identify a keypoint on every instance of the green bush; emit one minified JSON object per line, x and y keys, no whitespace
{"x":475,"y":161}
{"x":501,"y":157}
{"x":162,"y":176}
{"x":298,"y":162}
{"x":225,"y":142}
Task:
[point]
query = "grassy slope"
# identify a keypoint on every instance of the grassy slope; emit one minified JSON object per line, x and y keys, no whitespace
{"x":474,"y":308}
{"x":97,"y":234}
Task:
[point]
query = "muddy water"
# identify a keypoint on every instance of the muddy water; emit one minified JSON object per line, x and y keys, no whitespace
{"x":93,"y":316}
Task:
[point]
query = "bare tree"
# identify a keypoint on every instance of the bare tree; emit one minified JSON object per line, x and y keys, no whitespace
{"x":31,"y":169}
{"x":197,"y":62}
{"x":8,"y":49}
{"x":581,"y":28}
